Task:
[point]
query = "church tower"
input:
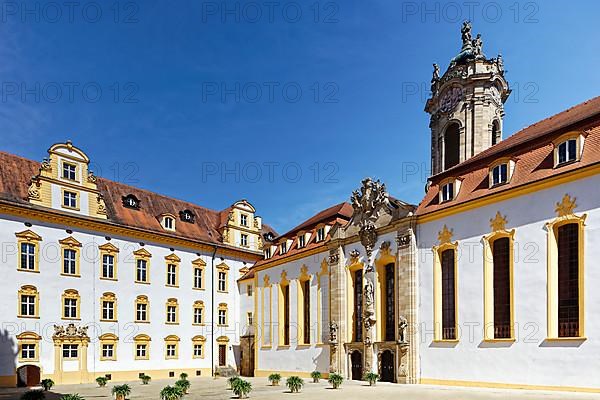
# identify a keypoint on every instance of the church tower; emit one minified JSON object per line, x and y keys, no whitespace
{"x":466,"y":104}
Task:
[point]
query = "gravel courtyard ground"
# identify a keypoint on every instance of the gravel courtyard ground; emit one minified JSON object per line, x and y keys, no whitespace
{"x":207,"y":388}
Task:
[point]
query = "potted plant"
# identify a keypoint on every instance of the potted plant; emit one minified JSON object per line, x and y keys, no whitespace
{"x":372,"y":378}
{"x":74,"y":396}
{"x":294,"y":383}
{"x":336,"y":380}
{"x":184,"y":385}
{"x":120,"y":391}
{"x":183,"y":375}
{"x":101,"y":381}
{"x":171,"y":393}
{"x":274,"y":379}
{"x":241,"y":388}
{"x":316,"y":375}
{"x":33,"y":395}
{"x":145,"y":379}
{"x":231,"y":381}
{"x":47,"y":384}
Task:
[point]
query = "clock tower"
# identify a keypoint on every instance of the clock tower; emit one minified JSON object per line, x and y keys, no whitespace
{"x":466,"y":104}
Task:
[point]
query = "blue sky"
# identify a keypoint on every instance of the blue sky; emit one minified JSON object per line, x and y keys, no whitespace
{"x":288,"y":104}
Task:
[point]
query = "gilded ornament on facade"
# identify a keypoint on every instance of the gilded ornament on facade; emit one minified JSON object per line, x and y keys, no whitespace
{"x":566,"y":206}
{"x":445,"y":235}
{"x":498,"y":223}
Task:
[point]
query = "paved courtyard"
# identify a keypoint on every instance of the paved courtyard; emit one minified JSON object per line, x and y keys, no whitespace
{"x":207,"y":388}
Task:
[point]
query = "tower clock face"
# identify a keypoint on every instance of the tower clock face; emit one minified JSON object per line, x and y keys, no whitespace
{"x":450,"y":99}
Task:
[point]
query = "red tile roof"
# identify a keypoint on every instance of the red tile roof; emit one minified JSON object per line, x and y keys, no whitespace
{"x":16,"y":173}
{"x":532,"y":150}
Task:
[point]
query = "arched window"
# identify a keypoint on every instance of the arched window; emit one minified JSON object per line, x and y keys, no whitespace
{"x":495,"y":132}
{"x":358,"y":305}
{"x":448,"y":295}
{"x":451,"y":146}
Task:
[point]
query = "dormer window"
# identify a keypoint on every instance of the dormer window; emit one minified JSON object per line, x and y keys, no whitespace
{"x":449,"y":189}
{"x":243,"y":220}
{"x":168,"y":222}
{"x":567,"y":151}
{"x":320,"y":234}
{"x":187,"y":216}
{"x":130,"y":201}
{"x":283,"y":247}
{"x":568,"y":148}
{"x":499,"y":174}
{"x":301,"y":241}
{"x":69,"y":171}
{"x":268,"y":252}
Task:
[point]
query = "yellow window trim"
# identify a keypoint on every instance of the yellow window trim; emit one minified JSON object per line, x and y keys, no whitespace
{"x":444,"y":236}
{"x":324,"y":272}
{"x":198,"y":305}
{"x":224,"y":268}
{"x":223,"y":307}
{"x":110,"y":250}
{"x":71,"y":294}
{"x":565,"y":215}
{"x":142,"y":254}
{"x":198,"y":340}
{"x":77,"y":199}
{"x":580,"y":139}
{"x":141,"y":339}
{"x":304,"y":277}
{"x":172,"y":259}
{"x":199,"y":264}
{"x":172,"y":302}
{"x":108,"y":297}
{"x":70,"y":243}
{"x":499,"y":231}
{"x":280,"y":304}
{"x":266,"y":307}
{"x":353,"y":266}
{"x":172,"y":340}
{"x":29,"y":338}
{"x":385,"y":258}
{"x":29,"y":237}
{"x":62,"y":168}
{"x":28,"y":290}
{"x":108,"y":339}
{"x":142,"y":299}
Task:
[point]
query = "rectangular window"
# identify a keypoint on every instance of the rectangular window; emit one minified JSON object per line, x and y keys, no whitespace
{"x":27,"y":306}
{"x":171,"y":274}
{"x":70,"y":308}
{"x":222,"y":281}
{"x":69,"y":262}
{"x":141,"y":271}
{"x":320,"y":234}
{"x":502,"y":298}
{"x":448,"y":192}
{"x":244,"y":240}
{"x":171,"y":314}
{"x":222,"y":317}
{"x":197,"y":278}
{"x":171,"y":350}
{"x":108,"y":266}
{"x":249,"y":290}
{"x":70,"y":351}
{"x":28,"y":256}
{"x":250,"y":319}
{"x":268,"y":252}
{"x":197,"y":350}
{"x":301,"y":241}
{"x":448,"y":296}
{"x":69,"y":171}
{"x":243,"y":220}
{"x":567,"y":151}
{"x":306,"y":310}
{"x":500,"y":174}
{"x":70,"y":199}
{"x":28,"y":351}
{"x":568,"y":280}
{"x":108,"y":310}
{"x":108,"y":350}
{"x":283,"y":247}
{"x":141,"y":351}
{"x":198,"y":315}
{"x":141,"y":312}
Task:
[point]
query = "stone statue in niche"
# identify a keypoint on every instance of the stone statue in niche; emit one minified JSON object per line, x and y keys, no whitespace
{"x":402,"y":325}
